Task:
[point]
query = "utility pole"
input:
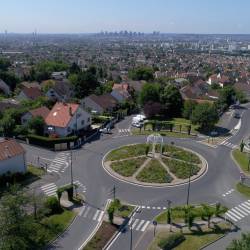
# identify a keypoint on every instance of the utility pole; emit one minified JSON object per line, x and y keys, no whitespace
{"x":71,"y":169}
{"x":131,"y":237}
{"x":189,"y":179}
{"x":114,"y":192}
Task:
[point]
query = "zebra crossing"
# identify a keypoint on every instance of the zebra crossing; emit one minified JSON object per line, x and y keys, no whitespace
{"x":49,"y":189}
{"x":60,"y":163}
{"x":124,"y":131}
{"x":138,"y":225}
{"x":228,"y":144}
{"x":239,"y":212}
{"x":80,"y":186}
{"x":91,"y":213}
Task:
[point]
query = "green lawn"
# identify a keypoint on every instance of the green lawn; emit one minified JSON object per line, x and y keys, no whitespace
{"x":154,"y":172}
{"x":124,"y":210}
{"x":36,"y":171}
{"x":181,"y":169}
{"x":126,"y":152}
{"x":127,"y":167}
{"x":193,"y":241}
{"x":183,"y":155}
{"x":57,"y":223}
{"x":243,"y":189}
{"x":242,"y":159}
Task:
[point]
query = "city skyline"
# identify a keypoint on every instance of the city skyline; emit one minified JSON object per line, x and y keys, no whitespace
{"x":213,"y":17}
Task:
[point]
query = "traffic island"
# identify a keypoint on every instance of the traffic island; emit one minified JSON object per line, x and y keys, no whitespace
{"x":154,"y":164}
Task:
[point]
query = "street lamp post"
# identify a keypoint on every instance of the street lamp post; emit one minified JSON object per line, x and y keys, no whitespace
{"x":131,"y":237}
{"x":169,"y":213}
{"x":71,"y":169}
{"x":189,"y":179}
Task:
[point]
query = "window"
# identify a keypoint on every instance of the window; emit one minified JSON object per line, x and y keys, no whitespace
{"x":69,"y":129}
{"x":89,"y":119}
{"x":82,"y":122}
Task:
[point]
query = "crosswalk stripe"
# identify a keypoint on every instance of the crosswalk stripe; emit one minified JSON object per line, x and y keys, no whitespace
{"x":96,"y":214}
{"x":248,"y":203}
{"x":145,"y":226}
{"x":231,"y":217}
{"x":81,"y":212}
{"x":233,"y":214}
{"x":48,"y":185}
{"x":241,"y":211}
{"x":49,"y":188}
{"x":237,"y":213}
{"x":244,"y":209}
{"x":134,"y":224}
{"x":100,"y":216}
{"x":86,"y":212}
{"x":245,"y":205}
{"x":139,"y":225}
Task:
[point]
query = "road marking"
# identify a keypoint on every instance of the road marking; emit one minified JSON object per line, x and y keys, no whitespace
{"x":82,"y":210}
{"x":145,"y":226}
{"x":96,"y":214}
{"x":134,"y":224}
{"x":86,"y":212}
{"x":140,"y":224}
{"x":49,"y":189}
{"x":100,"y":216}
{"x":237,"y":213}
{"x":244,"y":208}
{"x":241,"y":211}
{"x":232,"y":214}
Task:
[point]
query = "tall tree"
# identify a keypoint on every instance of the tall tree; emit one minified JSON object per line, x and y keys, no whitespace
{"x":172,"y":100}
{"x":150,"y":93}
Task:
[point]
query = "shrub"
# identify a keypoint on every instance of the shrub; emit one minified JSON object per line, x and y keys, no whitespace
{"x":171,"y":241}
{"x":49,"y":142}
{"x":52,"y":203}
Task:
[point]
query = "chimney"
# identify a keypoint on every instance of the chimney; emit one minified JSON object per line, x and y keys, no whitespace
{"x":70,"y":111}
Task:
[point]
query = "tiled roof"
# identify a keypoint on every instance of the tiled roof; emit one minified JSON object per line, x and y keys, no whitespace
{"x":105,"y":101}
{"x":32,"y":93}
{"x":60,"y":115}
{"x":42,"y":111}
{"x":10,"y":148}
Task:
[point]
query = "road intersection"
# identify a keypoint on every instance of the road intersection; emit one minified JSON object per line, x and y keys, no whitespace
{"x":217,"y":185}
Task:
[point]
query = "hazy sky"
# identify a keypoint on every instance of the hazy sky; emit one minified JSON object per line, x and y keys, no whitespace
{"x":80,"y":16}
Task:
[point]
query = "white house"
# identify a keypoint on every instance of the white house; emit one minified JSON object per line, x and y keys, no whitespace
{"x":12,"y":157}
{"x":66,"y":118}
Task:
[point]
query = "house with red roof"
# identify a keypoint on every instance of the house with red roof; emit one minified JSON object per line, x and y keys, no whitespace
{"x":121,"y":92}
{"x":67,"y":118}
{"x":12,"y":157}
{"x":31,"y":93}
{"x":42,"y":112}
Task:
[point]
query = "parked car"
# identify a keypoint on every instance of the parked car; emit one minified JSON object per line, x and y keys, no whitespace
{"x":105,"y":130}
{"x":237,"y":115}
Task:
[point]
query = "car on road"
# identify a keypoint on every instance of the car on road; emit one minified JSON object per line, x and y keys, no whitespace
{"x":105,"y":130}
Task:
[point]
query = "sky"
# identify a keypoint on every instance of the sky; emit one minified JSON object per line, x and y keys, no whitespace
{"x":88,"y":16}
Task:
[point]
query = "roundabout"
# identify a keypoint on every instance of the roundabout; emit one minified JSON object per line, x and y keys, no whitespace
{"x":156,"y":165}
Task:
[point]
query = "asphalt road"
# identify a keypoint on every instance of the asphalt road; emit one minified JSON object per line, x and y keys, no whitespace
{"x":221,"y":177}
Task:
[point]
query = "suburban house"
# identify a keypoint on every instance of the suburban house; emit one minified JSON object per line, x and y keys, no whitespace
{"x":12,"y":157}
{"x":121,"y":92}
{"x":219,"y":79}
{"x":67,"y":118}
{"x":8,"y":104}
{"x":4,"y":88}
{"x":29,"y":85}
{"x":42,"y":111}
{"x":60,"y":91}
{"x":99,"y":104}
{"x":29,"y":93}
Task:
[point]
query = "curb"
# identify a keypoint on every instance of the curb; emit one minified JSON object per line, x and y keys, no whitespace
{"x":114,"y":175}
{"x":113,"y":238}
{"x":95,"y":229}
{"x":237,"y":164}
{"x":66,"y":229}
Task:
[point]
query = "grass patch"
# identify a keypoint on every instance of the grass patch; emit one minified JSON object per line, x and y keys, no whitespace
{"x":245,"y":190}
{"x":57,"y":223}
{"x":183,"y":155}
{"x":124,"y":211}
{"x":35,"y":171}
{"x":181,"y":169}
{"x":127,"y":167}
{"x":154,"y":172}
{"x":126,"y":152}
{"x":102,"y":236}
{"x":242,"y":159}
